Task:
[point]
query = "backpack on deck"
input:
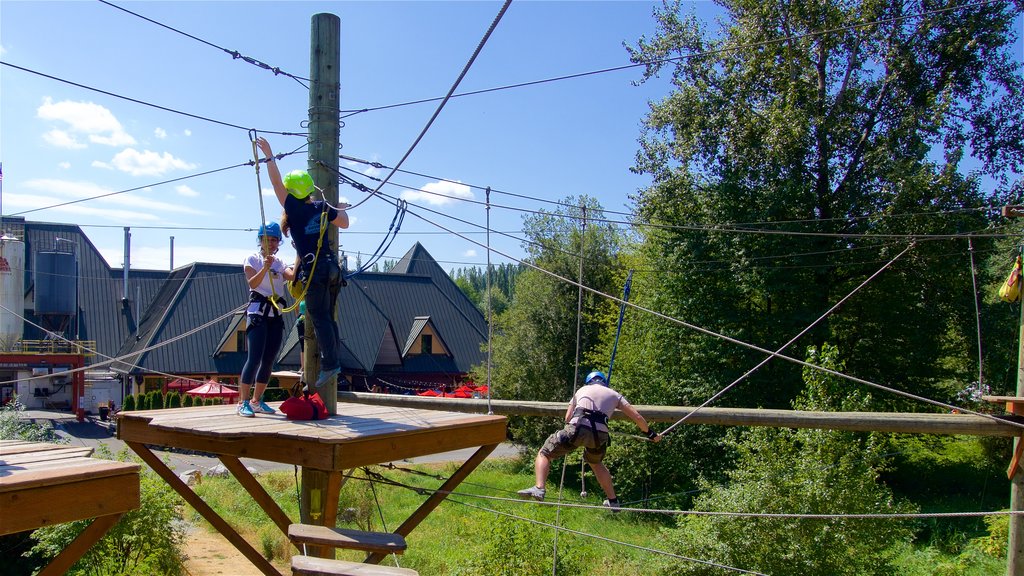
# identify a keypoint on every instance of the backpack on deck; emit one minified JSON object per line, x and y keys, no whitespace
{"x":305,"y":407}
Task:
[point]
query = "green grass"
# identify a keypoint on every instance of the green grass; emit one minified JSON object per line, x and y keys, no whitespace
{"x":484,"y":529}
{"x":466,"y":535}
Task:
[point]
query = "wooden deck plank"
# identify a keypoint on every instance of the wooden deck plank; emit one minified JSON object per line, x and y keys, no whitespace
{"x":386,"y":542}
{"x":73,"y":472}
{"x":49,"y":504}
{"x":10,"y":447}
{"x":45,"y":455}
{"x":310,"y":566}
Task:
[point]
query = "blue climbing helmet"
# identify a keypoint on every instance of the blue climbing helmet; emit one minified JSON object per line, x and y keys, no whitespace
{"x":272,"y":229}
{"x":596,"y":375}
{"x":302,"y":306}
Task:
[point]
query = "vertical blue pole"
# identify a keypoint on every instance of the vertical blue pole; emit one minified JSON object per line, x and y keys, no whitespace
{"x":618,"y":327}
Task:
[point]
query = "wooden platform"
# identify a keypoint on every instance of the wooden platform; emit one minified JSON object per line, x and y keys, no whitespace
{"x":44,"y":484}
{"x":359,"y":435}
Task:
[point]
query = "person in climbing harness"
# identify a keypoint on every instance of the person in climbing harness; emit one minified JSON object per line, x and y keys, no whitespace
{"x":587,"y":426}
{"x":318,"y":266}
{"x":264,"y":329}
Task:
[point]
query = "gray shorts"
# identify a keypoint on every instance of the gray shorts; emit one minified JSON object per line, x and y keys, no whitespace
{"x":572,"y":437}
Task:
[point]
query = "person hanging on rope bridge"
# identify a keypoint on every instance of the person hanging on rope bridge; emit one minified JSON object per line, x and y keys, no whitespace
{"x":264,"y":328}
{"x":319,"y":269}
{"x":587,"y":426}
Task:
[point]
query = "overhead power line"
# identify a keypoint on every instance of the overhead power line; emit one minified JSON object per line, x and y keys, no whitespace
{"x":465,"y":70}
{"x":233,"y":53}
{"x":659,"y":61}
{"x":143,"y":102}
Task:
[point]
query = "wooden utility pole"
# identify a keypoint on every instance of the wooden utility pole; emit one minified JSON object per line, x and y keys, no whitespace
{"x":1015,"y":541}
{"x":320,"y":488}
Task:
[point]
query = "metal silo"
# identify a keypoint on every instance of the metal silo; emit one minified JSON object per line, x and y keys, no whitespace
{"x":12,"y":291}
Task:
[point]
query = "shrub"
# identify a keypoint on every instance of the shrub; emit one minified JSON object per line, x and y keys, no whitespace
{"x":14,"y":425}
{"x":145,"y":541}
{"x":129,"y":402}
{"x":173,"y":400}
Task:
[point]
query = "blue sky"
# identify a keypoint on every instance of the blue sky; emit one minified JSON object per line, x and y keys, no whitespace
{"x":59,"y":142}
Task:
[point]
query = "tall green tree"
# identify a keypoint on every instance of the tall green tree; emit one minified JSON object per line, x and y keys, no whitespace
{"x":535,"y":343}
{"x":802,"y":146}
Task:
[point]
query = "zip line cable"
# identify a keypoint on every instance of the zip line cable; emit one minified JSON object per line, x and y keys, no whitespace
{"x":789,"y":343}
{"x":668,"y":60}
{"x":144,"y":103}
{"x":561,"y":204}
{"x":233,"y":53}
{"x":730,"y":339}
{"x":977,"y":315}
{"x":440,"y":106}
{"x":207,"y":173}
{"x":526,"y":241}
{"x":684,"y":227}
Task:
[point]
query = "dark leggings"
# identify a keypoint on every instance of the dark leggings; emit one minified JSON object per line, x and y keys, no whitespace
{"x":263,"y":337}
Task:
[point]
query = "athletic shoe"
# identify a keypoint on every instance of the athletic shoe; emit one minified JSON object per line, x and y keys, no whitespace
{"x":613,"y":504}
{"x":532,"y":492}
{"x":245,"y":410}
{"x":324,"y":376}
{"x":262,"y":408}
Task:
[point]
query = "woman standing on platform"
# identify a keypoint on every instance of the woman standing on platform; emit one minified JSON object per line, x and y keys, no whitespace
{"x":264,"y":329}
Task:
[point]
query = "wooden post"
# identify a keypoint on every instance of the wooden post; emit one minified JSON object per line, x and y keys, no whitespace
{"x":324,"y":111}
{"x":1015,"y":543}
{"x":319,"y":507}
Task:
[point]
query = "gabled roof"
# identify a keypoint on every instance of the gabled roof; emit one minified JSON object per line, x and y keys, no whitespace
{"x":377,"y":312}
{"x":419,"y":325}
{"x":187,"y":315}
{"x":190,"y":317}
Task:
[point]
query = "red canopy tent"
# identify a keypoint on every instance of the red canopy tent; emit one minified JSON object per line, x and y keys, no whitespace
{"x":182,"y":385}
{"x":428,"y":393}
{"x":214,"y":389}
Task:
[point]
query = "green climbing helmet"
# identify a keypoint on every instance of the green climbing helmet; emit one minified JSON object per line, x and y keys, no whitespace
{"x":299,"y":183}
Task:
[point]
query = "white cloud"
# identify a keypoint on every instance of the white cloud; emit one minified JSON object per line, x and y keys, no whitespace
{"x":439,"y":193}
{"x":183,"y":190}
{"x":93,"y":120}
{"x":100,"y":164}
{"x":64,"y":165}
{"x":160,"y":133}
{"x":229,"y":196}
{"x":469,"y":253}
{"x":148,"y":163}
{"x":187,"y":132}
{"x":62,"y":139}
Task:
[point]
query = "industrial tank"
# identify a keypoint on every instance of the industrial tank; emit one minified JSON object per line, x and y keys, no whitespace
{"x":12,"y":291}
{"x":56,"y":284}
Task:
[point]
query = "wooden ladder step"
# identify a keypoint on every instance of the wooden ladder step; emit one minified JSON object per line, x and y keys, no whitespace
{"x":384,"y":542}
{"x":310,"y":566}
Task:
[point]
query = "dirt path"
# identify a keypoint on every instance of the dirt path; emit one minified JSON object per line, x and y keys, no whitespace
{"x":210,"y":554}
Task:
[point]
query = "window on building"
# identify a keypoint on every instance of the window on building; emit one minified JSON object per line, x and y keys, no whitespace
{"x":240,"y":340}
{"x":426,"y":344}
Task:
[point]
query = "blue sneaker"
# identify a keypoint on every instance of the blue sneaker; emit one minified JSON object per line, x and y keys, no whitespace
{"x":245,"y":410}
{"x":262,"y":408}
{"x":325,"y":376}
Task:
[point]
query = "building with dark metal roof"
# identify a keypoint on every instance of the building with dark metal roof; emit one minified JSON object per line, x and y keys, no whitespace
{"x":408,"y":328}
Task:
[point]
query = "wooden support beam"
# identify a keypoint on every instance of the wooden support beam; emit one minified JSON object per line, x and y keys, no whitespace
{"x":902,"y":423}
